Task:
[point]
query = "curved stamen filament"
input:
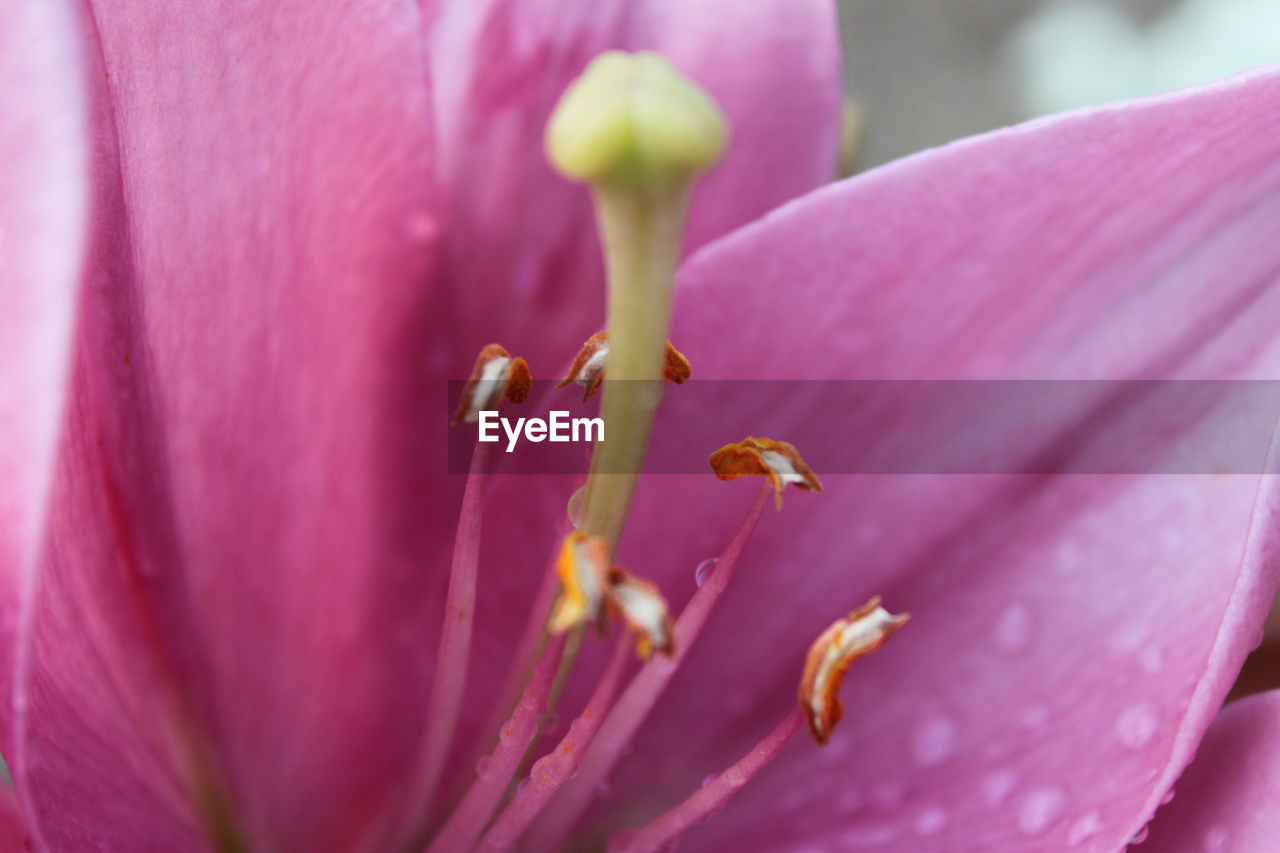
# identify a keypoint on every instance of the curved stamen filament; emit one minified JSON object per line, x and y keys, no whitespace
{"x":450,"y":676}
{"x":532,"y":639}
{"x":711,"y":797}
{"x":469,"y":818}
{"x":642,"y":693}
{"x":555,"y":768}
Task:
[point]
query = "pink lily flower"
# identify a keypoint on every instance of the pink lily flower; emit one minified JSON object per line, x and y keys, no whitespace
{"x":244,"y":245}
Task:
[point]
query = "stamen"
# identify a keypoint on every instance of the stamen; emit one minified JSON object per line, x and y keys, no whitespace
{"x":777,"y":460}
{"x":453,"y":655}
{"x":469,"y":818}
{"x":641,"y":606}
{"x":583,"y":568}
{"x":708,"y":799}
{"x":526,"y":651}
{"x":555,"y":768}
{"x":587,"y":369}
{"x":495,"y":375}
{"x":830,"y":656}
{"x":641,"y":695}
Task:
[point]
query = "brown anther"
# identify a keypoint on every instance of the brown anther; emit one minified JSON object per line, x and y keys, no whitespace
{"x":777,"y":460}
{"x":640,"y":605}
{"x":587,"y":369}
{"x":859,"y":634}
{"x":583,"y":567}
{"x":496,"y":375}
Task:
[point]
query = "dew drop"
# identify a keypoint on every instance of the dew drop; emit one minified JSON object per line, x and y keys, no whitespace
{"x":1167,"y":798}
{"x":1013,"y":628}
{"x":482,"y":765}
{"x":524,"y":783}
{"x":703,"y":571}
{"x":1136,"y":726}
{"x":1040,"y":810}
{"x":1215,"y":840}
{"x":573,"y":509}
{"x":869,"y":836}
{"x":708,"y":779}
{"x":1129,"y":638}
{"x":934,"y":742}
{"x":850,"y":800}
{"x":1141,"y":836}
{"x":1084,"y":829}
{"x":889,"y":796}
{"x":421,"y":226}
{"x":997,"y":786}
{"x":930,"y":821}
{"x":1068,"y":557}
{"x":1035,"y":717}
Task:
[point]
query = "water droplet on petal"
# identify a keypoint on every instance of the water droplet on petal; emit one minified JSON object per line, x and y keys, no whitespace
{"x":1035,"y":717}
{"x":708,"y":779}
{"x":524,"y":783}
{"x":997,"y":786}
{"x":1128,"y":639}
{"x":1167,"y":798}
{"x":1141,"y":836}
{"x":573,"y":508}
{"x":1216,"y":839}
{"x":1013,"y":628}
{"x":482,"y":765}
{"x":1084,"y":829}
{"x":703,"y":571}
{"x":930,"y":821}
{"x":934,"y":742}
{"x":869,"y":836}
{"x":1137,"y":725}
{"x":1068,"y":557}
{"x":421,"y":226}
{"x":850,"y":800}
{"x":889,"y":796}
{"x":1040,"y":810}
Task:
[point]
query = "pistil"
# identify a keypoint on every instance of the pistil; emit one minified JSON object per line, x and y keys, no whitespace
{"x":637,"y":132}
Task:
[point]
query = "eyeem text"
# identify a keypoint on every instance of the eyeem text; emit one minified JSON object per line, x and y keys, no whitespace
{"x":560,"y":427}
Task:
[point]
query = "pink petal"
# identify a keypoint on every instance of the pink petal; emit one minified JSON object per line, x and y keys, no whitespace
{"x":523,"y":262}
{"x":13,"y":833}
{"x":1229,"y":797}
{"x":238,"y":583}
{"x":1072,"y":636}
{"x":43,"y":205}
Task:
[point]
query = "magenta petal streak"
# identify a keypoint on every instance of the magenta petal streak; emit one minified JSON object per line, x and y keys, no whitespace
{"x":44,"y":203}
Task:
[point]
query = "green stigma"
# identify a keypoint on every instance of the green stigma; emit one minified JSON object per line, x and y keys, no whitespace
{"x":633,"y":119}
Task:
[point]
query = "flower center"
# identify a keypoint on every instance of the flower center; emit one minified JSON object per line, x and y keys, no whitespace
{"x":637,"y":133}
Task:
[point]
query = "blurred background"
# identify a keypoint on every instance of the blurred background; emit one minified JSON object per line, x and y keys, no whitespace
{"x":924,"y":72}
